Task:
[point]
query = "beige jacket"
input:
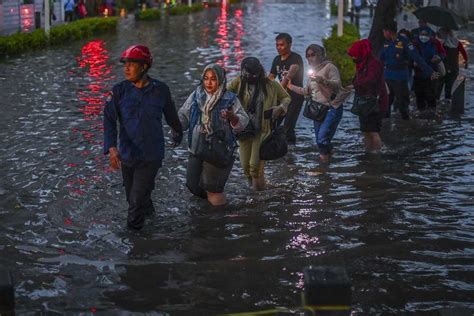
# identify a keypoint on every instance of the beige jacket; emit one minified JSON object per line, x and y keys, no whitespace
{"x":321,"y":92}
{"x":277,"y":96}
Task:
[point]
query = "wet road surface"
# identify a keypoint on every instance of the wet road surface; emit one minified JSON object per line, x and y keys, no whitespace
{"x":401,"y":223}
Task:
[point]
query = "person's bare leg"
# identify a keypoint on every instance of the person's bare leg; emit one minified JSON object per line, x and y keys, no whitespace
{"x":367,"y":141}
{"x":216,"y":199}
{"x":258,"y":184}
{"x":323,"y":158}
{"x":375,"y":144}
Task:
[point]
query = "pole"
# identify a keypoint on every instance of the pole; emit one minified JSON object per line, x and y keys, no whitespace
{"x":190,"y":2}
{"x":61,"y":9}
{"x":20,"y":28}
{"x":47,"y":17}
{"x":340,"y":18}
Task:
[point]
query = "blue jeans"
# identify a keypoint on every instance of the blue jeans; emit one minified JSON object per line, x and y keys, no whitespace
{"x":325,"y":130}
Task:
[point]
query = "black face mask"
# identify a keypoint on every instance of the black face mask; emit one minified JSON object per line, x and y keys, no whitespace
{"x":249,"y":77}
{"x":252,"y":80}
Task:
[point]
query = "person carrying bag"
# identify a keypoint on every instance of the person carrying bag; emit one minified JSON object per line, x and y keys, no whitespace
{"x":212,"y":115}
{"x":325,"y":98}
{"x":371,"y":97}
{"x":264,"y":100}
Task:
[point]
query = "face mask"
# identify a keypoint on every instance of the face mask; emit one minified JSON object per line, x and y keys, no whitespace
{"x":424,"y":39}
{"x":251,"y":80}
{"x":249,"y":77}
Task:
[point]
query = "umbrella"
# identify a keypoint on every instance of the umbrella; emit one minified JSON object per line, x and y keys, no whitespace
{"x":439,"y":16}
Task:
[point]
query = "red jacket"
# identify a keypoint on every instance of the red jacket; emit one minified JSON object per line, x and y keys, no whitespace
{"x":370,"y":81}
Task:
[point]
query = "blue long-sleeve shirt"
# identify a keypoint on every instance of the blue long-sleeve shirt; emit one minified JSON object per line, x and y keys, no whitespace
{"x":139,"y":113}
{"x":396,"y":56}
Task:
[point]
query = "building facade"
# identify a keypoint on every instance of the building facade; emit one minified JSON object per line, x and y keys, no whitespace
{"x":27,"y":15}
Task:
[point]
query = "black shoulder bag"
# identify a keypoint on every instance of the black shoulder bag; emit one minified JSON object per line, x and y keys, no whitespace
{"x":314,"y":110}
{"x":364,"y":105}
{"x":214,"y":149}
{"x":274,"y":146}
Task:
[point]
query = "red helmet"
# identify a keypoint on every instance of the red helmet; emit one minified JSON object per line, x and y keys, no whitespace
{"x":137,"y":53}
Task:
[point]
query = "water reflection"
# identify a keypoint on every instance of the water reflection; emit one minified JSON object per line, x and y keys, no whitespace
{"x":95,"y":72}
{"x":231,"y":49}
{"x":400,"y":222}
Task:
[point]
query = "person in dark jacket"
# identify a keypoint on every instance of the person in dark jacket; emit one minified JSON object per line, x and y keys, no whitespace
{"x":453,"y":48}
{"x":369,"y":81}
{"x":396,"y":54}
{"x":422,"y":26}
{"x":424,"y":87}
{"x":210,"y":110}
{"x":138,"y":105}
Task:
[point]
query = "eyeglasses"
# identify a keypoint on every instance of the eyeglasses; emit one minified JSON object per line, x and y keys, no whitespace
{"x":310,"y":55}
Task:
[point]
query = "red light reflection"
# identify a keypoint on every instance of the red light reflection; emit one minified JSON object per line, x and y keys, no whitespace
{"x":94,"y":56}
{"x":97,"y":73}
{"x":230,"y":31}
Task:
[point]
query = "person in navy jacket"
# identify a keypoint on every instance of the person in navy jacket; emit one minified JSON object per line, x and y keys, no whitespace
{"x":396,"y":54}
{"x":424,"y":87}
{"x":138,"y":105}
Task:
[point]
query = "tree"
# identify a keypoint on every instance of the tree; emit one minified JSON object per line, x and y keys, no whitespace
{"x":385,"y":11}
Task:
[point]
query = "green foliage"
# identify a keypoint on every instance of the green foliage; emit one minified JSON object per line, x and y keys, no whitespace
{"x":149,"y":15}
{"x":336,"y":50}
{"x":18,"y":43}
{"x":333,"y":9}
{"x":184,"y":9}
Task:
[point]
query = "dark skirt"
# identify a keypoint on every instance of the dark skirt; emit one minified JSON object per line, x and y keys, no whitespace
{"x":202,"y":177}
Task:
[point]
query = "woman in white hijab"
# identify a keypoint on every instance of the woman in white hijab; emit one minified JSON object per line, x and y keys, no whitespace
{"x":211,"y":111}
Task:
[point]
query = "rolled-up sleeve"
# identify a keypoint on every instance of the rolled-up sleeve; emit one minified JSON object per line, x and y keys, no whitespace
{"x":333,"y":79}
{"x":241,"y":114}
{"x":185,"y":111}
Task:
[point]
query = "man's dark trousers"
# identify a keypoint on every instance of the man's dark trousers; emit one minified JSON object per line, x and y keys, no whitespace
{"x":400,"y":94}
{"x":291,"y":117}
{"x":139,"y":182}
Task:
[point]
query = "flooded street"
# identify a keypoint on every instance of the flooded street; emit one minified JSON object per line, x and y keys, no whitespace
{"x":401,"y":223}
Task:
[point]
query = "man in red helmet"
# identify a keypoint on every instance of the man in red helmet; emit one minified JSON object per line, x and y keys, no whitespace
{"x":138,"y":104}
